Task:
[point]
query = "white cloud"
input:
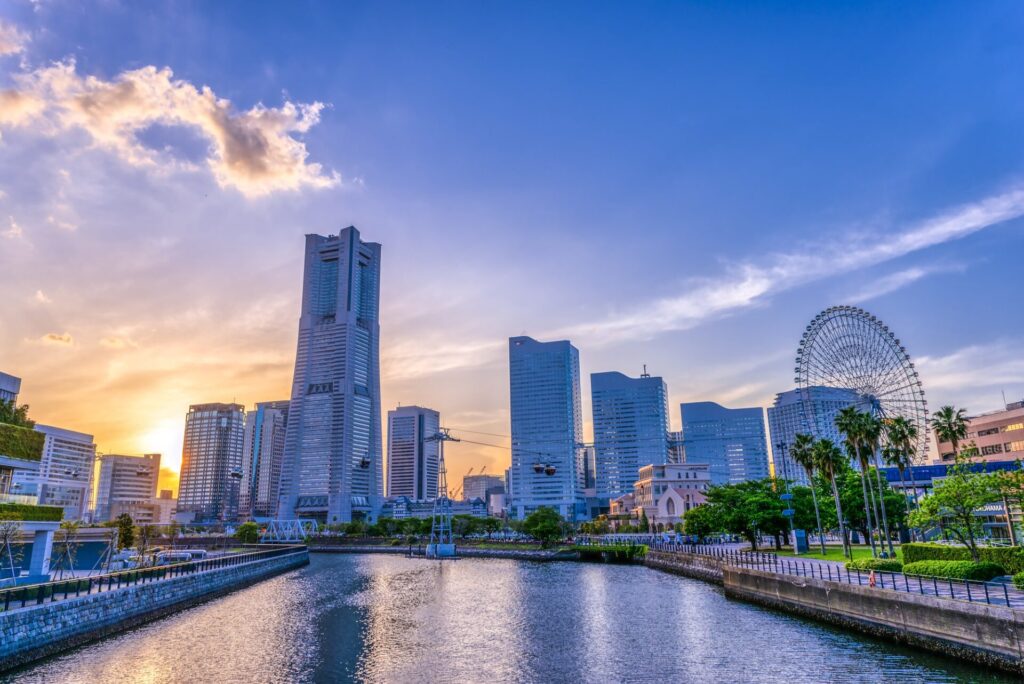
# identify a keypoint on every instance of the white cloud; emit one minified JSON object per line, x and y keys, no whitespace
{"x":974,"y":376}
{"x":750,"y":283}
{"x":113,"y":342}
{"x":14,"y":231}
{"x":63,"y":225}
{"x":896,"y":281}
{"x":12,"y":41}
{"x":41,"y":298}
{"x":254,"y":151}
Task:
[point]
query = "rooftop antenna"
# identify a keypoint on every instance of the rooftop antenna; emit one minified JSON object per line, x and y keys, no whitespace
{"x":441,"y":545}
{"x":645,"y":374}
{"x":1004,"y":398}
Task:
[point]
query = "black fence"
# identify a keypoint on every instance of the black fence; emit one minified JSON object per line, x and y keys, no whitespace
{"x":48,"y":592}
{"x":991,"y":593}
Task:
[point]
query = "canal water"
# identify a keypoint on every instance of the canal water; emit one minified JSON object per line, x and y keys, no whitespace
{"x":379,"y":618}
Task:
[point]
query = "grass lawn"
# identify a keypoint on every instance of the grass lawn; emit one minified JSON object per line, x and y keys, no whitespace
{"x":832,"y":553}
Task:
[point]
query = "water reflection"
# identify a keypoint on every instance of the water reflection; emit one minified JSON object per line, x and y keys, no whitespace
{"x":393,"y":619}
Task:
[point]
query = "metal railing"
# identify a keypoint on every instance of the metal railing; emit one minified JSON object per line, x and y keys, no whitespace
{"x":973,"y":591}
{"x":49,"y":592}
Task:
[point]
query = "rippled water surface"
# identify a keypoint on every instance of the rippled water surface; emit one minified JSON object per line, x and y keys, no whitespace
{"x":394,"y":619}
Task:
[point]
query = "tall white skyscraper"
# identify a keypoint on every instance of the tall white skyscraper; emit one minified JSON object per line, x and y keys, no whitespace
{"x":787,"y":418}
{"x":412,"y":461}
{"x":127,"y":484}
{"x":547,"y":428}
{"x":333,"y":464}
{"x":630,"y":428}
{"x":64,"y":477}
{"x":211,"y":462}
{"x":262,"y":455}
{"x":731,"y":441}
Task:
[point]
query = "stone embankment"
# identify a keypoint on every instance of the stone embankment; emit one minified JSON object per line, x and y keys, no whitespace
{"x":38,"y":631}
{"x":987,"y":634}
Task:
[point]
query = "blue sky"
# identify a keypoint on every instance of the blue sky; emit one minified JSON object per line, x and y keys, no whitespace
{"x":678,"y":184}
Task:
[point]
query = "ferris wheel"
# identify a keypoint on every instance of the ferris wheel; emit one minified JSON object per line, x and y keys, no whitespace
{"x":847,"y":348}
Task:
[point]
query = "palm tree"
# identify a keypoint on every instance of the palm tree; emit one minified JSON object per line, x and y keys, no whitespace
{"x":902,"y":436}
{"x":849,"y":422}
{"x":950,"y":425}
{"x":802,"y":452}
{"x":873,"y":429}
{"x":828,"y":458}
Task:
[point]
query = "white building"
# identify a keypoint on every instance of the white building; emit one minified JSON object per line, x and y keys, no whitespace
{"x":665,"y":493}
{"x":334,"y":464}
{"x":262,"y":456}
{"x":788,"y":417}
{"x":482,"y":486}
{"x":412,"y":460}
{"x":126,"y":484}
{"x":547,"y":428}
{"x":64,"y":477}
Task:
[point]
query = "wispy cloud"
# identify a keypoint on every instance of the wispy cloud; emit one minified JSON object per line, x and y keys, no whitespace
{"x":974,"y":377}
{"x":59,"y":339}
{"x":13,"y":231}
{"x":750,"y":283}
{"x":41,"y":298}
{"x":896,"y":281}
{"x":12,"y":40}
{"x":255,"y":151}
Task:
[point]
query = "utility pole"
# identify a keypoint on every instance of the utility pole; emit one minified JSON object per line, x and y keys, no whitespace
{"x":442,"y":544}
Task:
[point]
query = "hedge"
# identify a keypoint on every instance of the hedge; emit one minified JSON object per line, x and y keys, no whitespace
{"x":1009,"y":557}
{"x":26,"y":513}
{"x":884,"y":564}
{"x":955,"y":569}
{"x":22,"y":443}
{"x":1018,"y":580}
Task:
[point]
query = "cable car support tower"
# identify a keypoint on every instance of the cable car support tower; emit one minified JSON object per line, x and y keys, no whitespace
{"x":442,"y":544}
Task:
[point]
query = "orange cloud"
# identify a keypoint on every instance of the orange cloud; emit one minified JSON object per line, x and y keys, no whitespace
{"x":57,"y":339}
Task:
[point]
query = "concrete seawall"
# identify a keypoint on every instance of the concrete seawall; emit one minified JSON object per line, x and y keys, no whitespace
{"x":34,"y":632}
{"x":706,"y":568}
{"x":462,"y":551}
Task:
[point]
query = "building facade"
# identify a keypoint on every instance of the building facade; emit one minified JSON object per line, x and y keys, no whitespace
{"x":334,"y":465}
{"x":547,"y":428}
{"x":64,"y":475}
{"x":211,"y":462}
{"x":126,"y":484}
{"x":731,"y":441}
{"x":788,"y":417}
{"x":676,"y":447}
{"x":10,"y":386}
{"x":998,"y":435}
{"x":482,"y":486}
{"x":399,"y":507}
{"x":630,"y":428}
{"x":262,"y":456}
{"x":666,"y":492}
{"x":412,"y":460}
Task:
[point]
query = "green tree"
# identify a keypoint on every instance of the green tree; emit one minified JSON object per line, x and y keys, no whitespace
{"x":1011,"y":489}
{"x":829,"y":460}
{"x":67,"y":542}
{"x":802,"y":452}
{"x":125,"y":531}
{"x":700,"y":521}
{"x":15,"y":415}
{"x":748,"y":509}
{"x":248,"y":533}
{"x":850,"y":422}
{"x":544,"y":525}
{"x":953,"y":501}
{"x":644,"y":524}
{"x":873,"y":430}
{"x":950,"y":425}
{"x":901,"y":435}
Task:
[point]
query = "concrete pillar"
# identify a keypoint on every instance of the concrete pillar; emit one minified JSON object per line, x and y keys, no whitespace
{"x":42,"y":547}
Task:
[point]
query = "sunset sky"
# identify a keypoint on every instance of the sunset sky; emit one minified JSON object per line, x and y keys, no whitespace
{"x":683,"y":189}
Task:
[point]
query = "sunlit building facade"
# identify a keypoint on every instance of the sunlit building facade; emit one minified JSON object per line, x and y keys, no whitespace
{"x":211,"y":462}
{"x":998,"y":436}
{"x":262,"y":456}
{"x":65,"y":472}
{"x":333,"y":464}
{"x":412,"y":455}
{"x":127,"y":484}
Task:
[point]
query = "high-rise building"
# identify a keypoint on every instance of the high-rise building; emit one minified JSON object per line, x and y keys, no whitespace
{"x":412,"y":460}
{"x":164,"y":507}
{"x":676,"y":447}
{"x":64,"y":476}
{"x":211,"y":462}
{"x":731,"y":441}
{"x":333,"y":464}
{"x":998,"y":436}
{"x":10,"y":386}
{"x":788,"y":417}
{"x":126,"y":484}
{"x":262,"y":455}
{"x":482,"y":486}
{"x":547,"y":427}
{"x":630,"y":428}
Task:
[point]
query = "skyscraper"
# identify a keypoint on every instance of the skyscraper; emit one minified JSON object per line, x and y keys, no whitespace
{"x":333,"y":461}
{"x":481,"y":486}
{"x":630,"y":428}
{"x":211,"y":462}
{"x":412,"y":461}
{"x":787,"y":418}
{"x":126,"y":484}
{"x":731,"y":441}
{"x":262,"y":454}
{"x":64,"y":477}
{"x":547,"y":427}
{"x":9,"y":387}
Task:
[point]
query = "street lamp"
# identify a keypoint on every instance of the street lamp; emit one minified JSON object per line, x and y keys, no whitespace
{"x":787,"y":497}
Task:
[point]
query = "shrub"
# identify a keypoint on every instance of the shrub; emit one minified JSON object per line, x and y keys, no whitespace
{"x":955,"y":569}
{"x":25,"y":512}
{"x":884,"y":564}
{"x":1018,"y":580}
{"x":21,"y":443}
{"x":1011,"y":558}
{"x":396,"y":542}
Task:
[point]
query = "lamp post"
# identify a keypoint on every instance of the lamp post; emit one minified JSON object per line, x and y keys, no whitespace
{"x":787,"y":497}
